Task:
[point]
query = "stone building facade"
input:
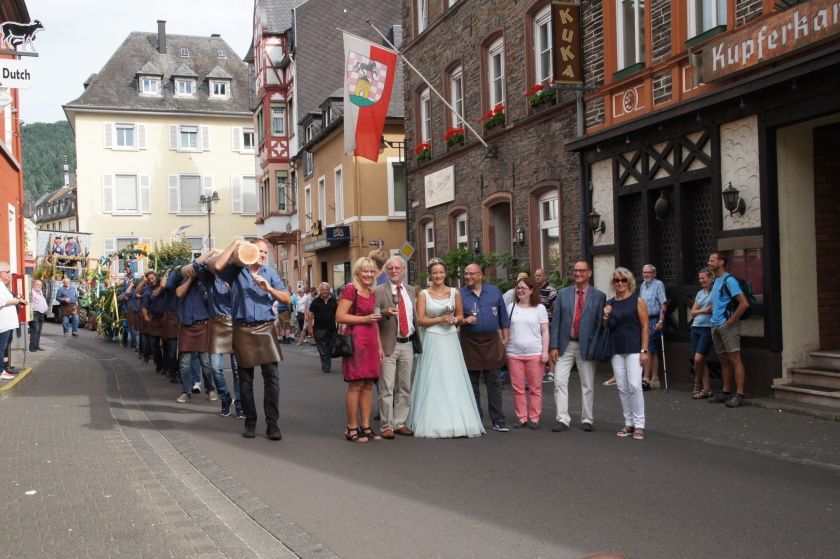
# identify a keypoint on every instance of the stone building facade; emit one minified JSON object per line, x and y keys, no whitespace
{"x":521,"y":194}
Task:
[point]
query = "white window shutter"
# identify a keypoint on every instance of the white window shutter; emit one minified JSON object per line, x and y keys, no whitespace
{"x":109,"y":246}
{"x":207,"y":189}
{"x":237,"y":138}
{"x":205,"y":138}
{"x":173,"y":136}
{"x":145,"y":195}
{"x":108,"y":129}
{"x":107,"y":194}
{"x":141,"y":136}
{"x":174,"y":199}
{"x":236,"y":195}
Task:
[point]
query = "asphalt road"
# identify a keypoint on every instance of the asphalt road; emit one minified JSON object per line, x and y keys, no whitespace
{"x":708,"y":481}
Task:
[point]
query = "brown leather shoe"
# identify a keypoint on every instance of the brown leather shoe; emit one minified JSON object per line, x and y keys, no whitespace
{"x":388,"y":434}
{"x":404,"y":430}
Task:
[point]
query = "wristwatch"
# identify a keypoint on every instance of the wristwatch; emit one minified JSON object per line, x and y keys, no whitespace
{"x":643,"y":351}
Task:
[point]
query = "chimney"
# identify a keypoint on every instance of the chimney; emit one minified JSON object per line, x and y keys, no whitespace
{"x":395,"y":35}
{"x":162,"y":36}
{"x":66,"y":173}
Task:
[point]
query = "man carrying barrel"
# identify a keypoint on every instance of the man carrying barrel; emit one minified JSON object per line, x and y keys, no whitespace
{"x":255,"y":287}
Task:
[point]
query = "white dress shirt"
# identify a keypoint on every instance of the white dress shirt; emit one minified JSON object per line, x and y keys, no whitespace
{"x":409,"y":308}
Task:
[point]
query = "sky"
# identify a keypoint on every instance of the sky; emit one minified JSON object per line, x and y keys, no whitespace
{"x":79,"y":36}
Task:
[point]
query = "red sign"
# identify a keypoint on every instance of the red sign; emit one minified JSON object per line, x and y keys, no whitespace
{"x":568,"y":60}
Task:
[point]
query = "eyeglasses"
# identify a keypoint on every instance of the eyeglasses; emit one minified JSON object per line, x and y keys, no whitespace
{"x":522,"y":288}
{"x":619,"y":280}
{"x":580,"y":270}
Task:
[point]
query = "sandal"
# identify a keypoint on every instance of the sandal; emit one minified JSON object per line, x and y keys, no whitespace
{"x":627,"y":431}
{"x":368,"y":433}
{"x":353,"y":435}
{"x":639,"y":434}
{"x":610,"y":382}
{"x":701,"y":394}
{"x":645,"y":385}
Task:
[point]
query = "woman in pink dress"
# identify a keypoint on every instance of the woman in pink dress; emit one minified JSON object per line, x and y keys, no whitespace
{"x":356,"y":309}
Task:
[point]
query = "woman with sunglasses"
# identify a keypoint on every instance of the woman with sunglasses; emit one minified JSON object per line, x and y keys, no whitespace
{"x":527,"y":351}
{"x":626,"y":317}
{"x":701,"y":334}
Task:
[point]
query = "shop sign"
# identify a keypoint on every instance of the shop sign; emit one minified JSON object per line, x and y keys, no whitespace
{"x":314,"y":246}
{"x":440,"y":187}
{"x":15,"y":74}
{"x":338,"y":236}
{"x":798,"y":27}
{"x":568,"y":62}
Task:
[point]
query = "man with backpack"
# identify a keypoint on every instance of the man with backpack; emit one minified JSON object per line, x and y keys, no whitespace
{"x":729,"y":303}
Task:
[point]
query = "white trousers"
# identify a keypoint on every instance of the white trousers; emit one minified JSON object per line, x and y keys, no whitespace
{"x":586,"y":371}
{"x":395,"y":386}
{"x":628,"y":378}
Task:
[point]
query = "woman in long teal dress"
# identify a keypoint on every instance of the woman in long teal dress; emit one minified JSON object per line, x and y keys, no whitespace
{"x":442,"y":402}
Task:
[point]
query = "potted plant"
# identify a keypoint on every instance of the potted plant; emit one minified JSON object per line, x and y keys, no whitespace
{"x":423,"y":152}
{"x":454,"y":136}
{"x":494,"y":117}
{"x":540,"y":95}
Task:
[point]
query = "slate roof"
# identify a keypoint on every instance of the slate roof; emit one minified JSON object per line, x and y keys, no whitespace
{"x":319,"y":50}
{"x":115,"y":86}
{"x":276,"y":15}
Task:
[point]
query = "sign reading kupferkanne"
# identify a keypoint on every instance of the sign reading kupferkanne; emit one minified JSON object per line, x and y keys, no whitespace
{"x":440,"y":187}
{"x":568,"y":62}
{"x":797,"y":27}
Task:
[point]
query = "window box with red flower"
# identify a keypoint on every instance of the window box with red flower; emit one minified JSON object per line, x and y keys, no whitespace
{"x":454,"y":137}
{"x":541,"y":96}
{"x":493,"y":118}
{"x":423,"y":152}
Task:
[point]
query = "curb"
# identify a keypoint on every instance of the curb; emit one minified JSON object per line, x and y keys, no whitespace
{"x":19,"y":377}
{"x":794,"y":408}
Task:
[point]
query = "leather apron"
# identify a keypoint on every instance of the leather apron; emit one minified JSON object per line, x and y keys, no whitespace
{"x":256,"y":344}
{"x":482,"y":352}
{"x":170,"y":325}
{"x":193,"y":338}
{"x":221,"y":335}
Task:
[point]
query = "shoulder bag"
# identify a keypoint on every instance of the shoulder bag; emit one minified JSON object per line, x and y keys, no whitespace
{"x":343,"y":346}
{"x":603,"y":350}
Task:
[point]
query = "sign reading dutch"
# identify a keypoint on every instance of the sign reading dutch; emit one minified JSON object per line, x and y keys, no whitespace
{"x":568,"y":62}
{"x":15,"y":74}
{"x":780,"y":34}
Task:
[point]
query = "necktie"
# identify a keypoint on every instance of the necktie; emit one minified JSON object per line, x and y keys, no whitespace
{"x":403,"y":315}
{"x":578,"y":312}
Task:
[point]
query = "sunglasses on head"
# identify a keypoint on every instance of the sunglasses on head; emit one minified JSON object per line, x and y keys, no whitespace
{"x":619,"y":280}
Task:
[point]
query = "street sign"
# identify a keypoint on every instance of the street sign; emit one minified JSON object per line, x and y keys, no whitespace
{"x":15,"y":74}
{"x":406,"y":250}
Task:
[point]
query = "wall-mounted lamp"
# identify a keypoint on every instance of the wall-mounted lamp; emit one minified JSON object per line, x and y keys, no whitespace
{"x":732,"y":200}
{"x":662,"y":206}
{"x":595,"y":222}
{"x":520,"y":235}
{"x":477,"y":245}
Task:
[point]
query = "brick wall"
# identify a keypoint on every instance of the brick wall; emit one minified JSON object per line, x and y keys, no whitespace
{"x":662,"y":88}
{"x":660,"y":24}
{"x":746,"y":11}
{"x":827,"y":216}
{"x":529,"y":153}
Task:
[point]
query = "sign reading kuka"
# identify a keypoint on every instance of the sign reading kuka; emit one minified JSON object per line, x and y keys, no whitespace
{"x":15,"y":73}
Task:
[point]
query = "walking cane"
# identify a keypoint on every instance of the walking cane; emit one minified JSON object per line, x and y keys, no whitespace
{"x":664,"y":363}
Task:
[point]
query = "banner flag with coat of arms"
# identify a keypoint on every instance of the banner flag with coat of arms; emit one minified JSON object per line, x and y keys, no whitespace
{"x":368,"y":81}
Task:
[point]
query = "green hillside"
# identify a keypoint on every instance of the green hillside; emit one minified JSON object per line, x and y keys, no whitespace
{"x":44,"y":145}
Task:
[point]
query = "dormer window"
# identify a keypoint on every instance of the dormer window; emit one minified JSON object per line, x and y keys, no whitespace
{"x":150,"y":85}
{"x":309,"y":133}
{"x":221,"y":53}
{"x":184,"y":53}
{"x":326,"y":115}
{"x":184,"y":87}
{"x":219,"y":89}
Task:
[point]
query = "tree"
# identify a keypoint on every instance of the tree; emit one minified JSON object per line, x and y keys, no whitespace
{"x":44,"y":146}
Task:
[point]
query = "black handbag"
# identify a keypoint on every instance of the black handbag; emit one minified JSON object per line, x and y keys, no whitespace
{"x":343,"y":346}
{"x":416,"y":344}
{"x":603,"y":351}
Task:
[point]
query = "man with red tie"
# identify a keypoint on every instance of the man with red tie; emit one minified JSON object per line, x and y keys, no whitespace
{"x":398,"y":325}
{"x":574,"y":324}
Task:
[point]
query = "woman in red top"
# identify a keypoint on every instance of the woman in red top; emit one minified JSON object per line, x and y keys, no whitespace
{"x":356,"y":309}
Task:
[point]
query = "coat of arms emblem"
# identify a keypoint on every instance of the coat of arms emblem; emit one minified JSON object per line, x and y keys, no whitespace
{"x":365,"y":79}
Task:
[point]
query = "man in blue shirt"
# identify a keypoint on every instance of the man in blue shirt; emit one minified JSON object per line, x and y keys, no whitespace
{"x":68,"y":299}
{"x":652,"y":291}
{"x":484,"y":337}
{"x":169,"y":335}
{"x":152,"y":309}
{"x":726,"y":331}
{"x":255,"y":288}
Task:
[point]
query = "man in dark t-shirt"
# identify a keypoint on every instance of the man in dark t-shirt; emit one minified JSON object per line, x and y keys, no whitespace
{"x":322,"y":318}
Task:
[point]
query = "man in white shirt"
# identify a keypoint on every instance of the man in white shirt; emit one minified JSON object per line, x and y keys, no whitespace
{"x":8,"y":317}
{"x":302,"y":309}
{"x":39,"y":312}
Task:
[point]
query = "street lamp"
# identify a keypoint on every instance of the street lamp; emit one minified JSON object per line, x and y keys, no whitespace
{"x":208,"y":200}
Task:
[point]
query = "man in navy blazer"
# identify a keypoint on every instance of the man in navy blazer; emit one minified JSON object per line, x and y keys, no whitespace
{"x":578,"y":311}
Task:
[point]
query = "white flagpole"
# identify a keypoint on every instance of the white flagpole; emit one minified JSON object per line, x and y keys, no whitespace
{"x":431,"y":87}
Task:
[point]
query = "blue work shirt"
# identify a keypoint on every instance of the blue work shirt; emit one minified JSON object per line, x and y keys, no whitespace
{"x":155,"y":305}
{"x":193,"y":306}
{"x":170,"y":299}
{"x":492,"y":313}
{"x":69,"y":293}
{"x":218,"y":303}
{"x":249,"y":303}
{"x":134,"y":302}
{"x":720,"y":299}
{"x":654,"y":295}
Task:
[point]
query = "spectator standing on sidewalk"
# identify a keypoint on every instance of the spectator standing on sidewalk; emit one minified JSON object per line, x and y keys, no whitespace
{"x":322,"y":318}
{"x":39,"y":312}
{"x":548,"y":295}
{"x":8,"y":317}
{"x":652,"y":291}
{"x":302,"y":308}
{"x":69,"y":299}
{"x":726,"y":331}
